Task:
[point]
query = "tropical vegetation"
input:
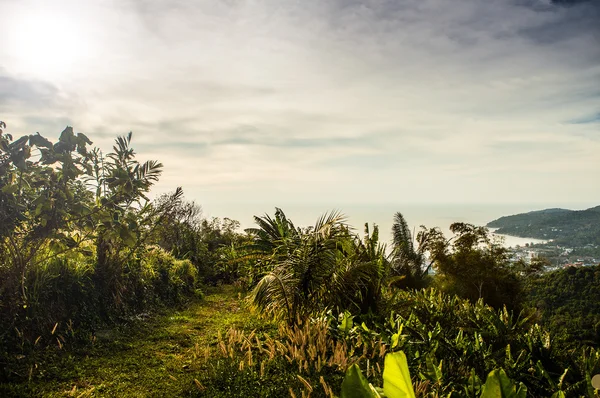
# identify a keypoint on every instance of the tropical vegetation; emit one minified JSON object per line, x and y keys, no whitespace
{"x":85,"y":252}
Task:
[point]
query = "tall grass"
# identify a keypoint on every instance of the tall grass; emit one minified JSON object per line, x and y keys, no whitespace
{"x":64,"y":304}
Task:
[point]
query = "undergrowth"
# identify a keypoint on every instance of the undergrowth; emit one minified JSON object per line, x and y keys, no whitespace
{"x":148,"y":356}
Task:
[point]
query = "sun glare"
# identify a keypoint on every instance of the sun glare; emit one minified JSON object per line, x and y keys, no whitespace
{"x":45,"y":45}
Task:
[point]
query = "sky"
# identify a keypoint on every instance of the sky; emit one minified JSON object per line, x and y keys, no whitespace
{"x":344,"y":102}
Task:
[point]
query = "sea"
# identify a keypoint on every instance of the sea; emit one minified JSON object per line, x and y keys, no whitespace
{"x":382,"y":215}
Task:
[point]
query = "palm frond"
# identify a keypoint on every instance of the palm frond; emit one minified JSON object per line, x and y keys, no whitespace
{"x":401,"y":236}
{"x":274,"y":294}
{"x":329,"y":224}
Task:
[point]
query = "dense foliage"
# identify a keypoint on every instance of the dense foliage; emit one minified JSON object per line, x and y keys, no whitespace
{"x":82,"y":248}
{"x":451,"y":346}
{"x":569,"y":303}
{"x":75,"y":234}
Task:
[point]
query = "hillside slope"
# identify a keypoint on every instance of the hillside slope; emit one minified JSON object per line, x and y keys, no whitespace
{"x":569,"y":227}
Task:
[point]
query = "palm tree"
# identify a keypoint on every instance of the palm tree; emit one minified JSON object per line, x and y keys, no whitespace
{"x":273,"y":235}
{"x":313,"y":269}
{"x":409,"y":264}
{"x":122,"y":184}
{"x":372,"y":254}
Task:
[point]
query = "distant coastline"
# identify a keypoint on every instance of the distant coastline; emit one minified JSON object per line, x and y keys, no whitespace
{"x":514,"y":240}
{"x":565,"y":227}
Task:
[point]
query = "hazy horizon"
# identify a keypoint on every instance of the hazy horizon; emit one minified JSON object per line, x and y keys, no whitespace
{"x":429,"y":215}
{"x":340,"y":102}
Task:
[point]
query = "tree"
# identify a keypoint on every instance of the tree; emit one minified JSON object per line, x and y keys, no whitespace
{"x":535,"y":267}
{"x":371,"y":254}
{"x":274,"y":237}
{"x":44,"y":203}
{"x":312,"y":269}
{"x":125,"y":218}
{"x":47,"y":208}
{"x":179,"y":231}
{"x":409,"y":264}
{"x":474,"y":266}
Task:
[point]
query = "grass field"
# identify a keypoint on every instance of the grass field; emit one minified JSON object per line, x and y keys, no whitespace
{"x":155,"y":357}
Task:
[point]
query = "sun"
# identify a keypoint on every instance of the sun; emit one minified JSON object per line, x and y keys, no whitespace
{"x":45,"y":44}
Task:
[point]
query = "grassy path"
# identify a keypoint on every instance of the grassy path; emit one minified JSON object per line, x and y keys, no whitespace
{"x":152,"y":359}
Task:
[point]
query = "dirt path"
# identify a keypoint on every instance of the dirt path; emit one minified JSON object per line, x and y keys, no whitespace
{"x":156,"y":358}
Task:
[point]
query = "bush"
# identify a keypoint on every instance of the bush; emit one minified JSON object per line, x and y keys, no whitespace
{"x":172,"y":279}
{"x":64,"y":305}
{"x":452,"y":343}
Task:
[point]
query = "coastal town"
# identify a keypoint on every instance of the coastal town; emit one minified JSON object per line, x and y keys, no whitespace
{"x":558,"y":256}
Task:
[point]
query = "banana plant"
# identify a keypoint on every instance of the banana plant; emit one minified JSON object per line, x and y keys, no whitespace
{"x":498,"y":385}
{"x":397,"y":382}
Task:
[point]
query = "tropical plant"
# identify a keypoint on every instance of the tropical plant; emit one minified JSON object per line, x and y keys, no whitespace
{"x":179,"y":231}
{"x":396,"y":380}
{"x":410,"y":264}
{"x":74,"y":229}
{"x":473,"y":265}
{"x":274,"y":238}
{"x":372,"y":254}
{"x":312,"y":269}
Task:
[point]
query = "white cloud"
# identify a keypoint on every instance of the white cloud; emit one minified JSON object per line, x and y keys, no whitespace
{"x":332,"y":101}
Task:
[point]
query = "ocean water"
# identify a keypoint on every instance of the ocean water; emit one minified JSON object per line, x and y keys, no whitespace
{"x":429,"y":215}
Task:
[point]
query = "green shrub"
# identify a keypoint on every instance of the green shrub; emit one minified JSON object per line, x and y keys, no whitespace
{"x":569,"y":304}
{"x":64,"y":304}
{"x":172,"y":279}
{"x":452,"y":343}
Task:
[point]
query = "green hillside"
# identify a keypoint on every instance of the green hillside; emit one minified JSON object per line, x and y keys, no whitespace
{"x":569,"y":302}
{"x":568,"y":227}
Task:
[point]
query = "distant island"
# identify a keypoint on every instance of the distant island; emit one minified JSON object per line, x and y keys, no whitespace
{"x":564,"y":227}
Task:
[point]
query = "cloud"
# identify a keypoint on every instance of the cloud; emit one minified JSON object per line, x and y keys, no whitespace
{"x":33,"y":105}
{"x":339,"y":99}
{"x":595,"y":118}
{"x":31,"y":93}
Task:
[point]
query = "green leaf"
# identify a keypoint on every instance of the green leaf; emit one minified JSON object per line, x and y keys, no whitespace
{"x":396,"y":377}
{"x":83,"y":138}
{"x":395,"y":339}
{"x":127,"y":236}
{"x":20,"y":143}
{"x":10,"y":189}
{"x":347,"y":322}
{"x":473,"y":384}
{"x":499,"y":385}
{"x":355,"y":385}
{"x":434,"y":372}
{"x":39,"y":141}
{"x":67,"y":135}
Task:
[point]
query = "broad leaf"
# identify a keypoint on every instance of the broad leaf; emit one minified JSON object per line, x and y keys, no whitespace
{"x":499,"y":385}
{"x":346,"y":323}
{"x":396,"y":377}
{"x":355,"y":385}
{"x":39,"y":141}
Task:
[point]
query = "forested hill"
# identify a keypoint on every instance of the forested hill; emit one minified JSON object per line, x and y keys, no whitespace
{"x":573,"y":227}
